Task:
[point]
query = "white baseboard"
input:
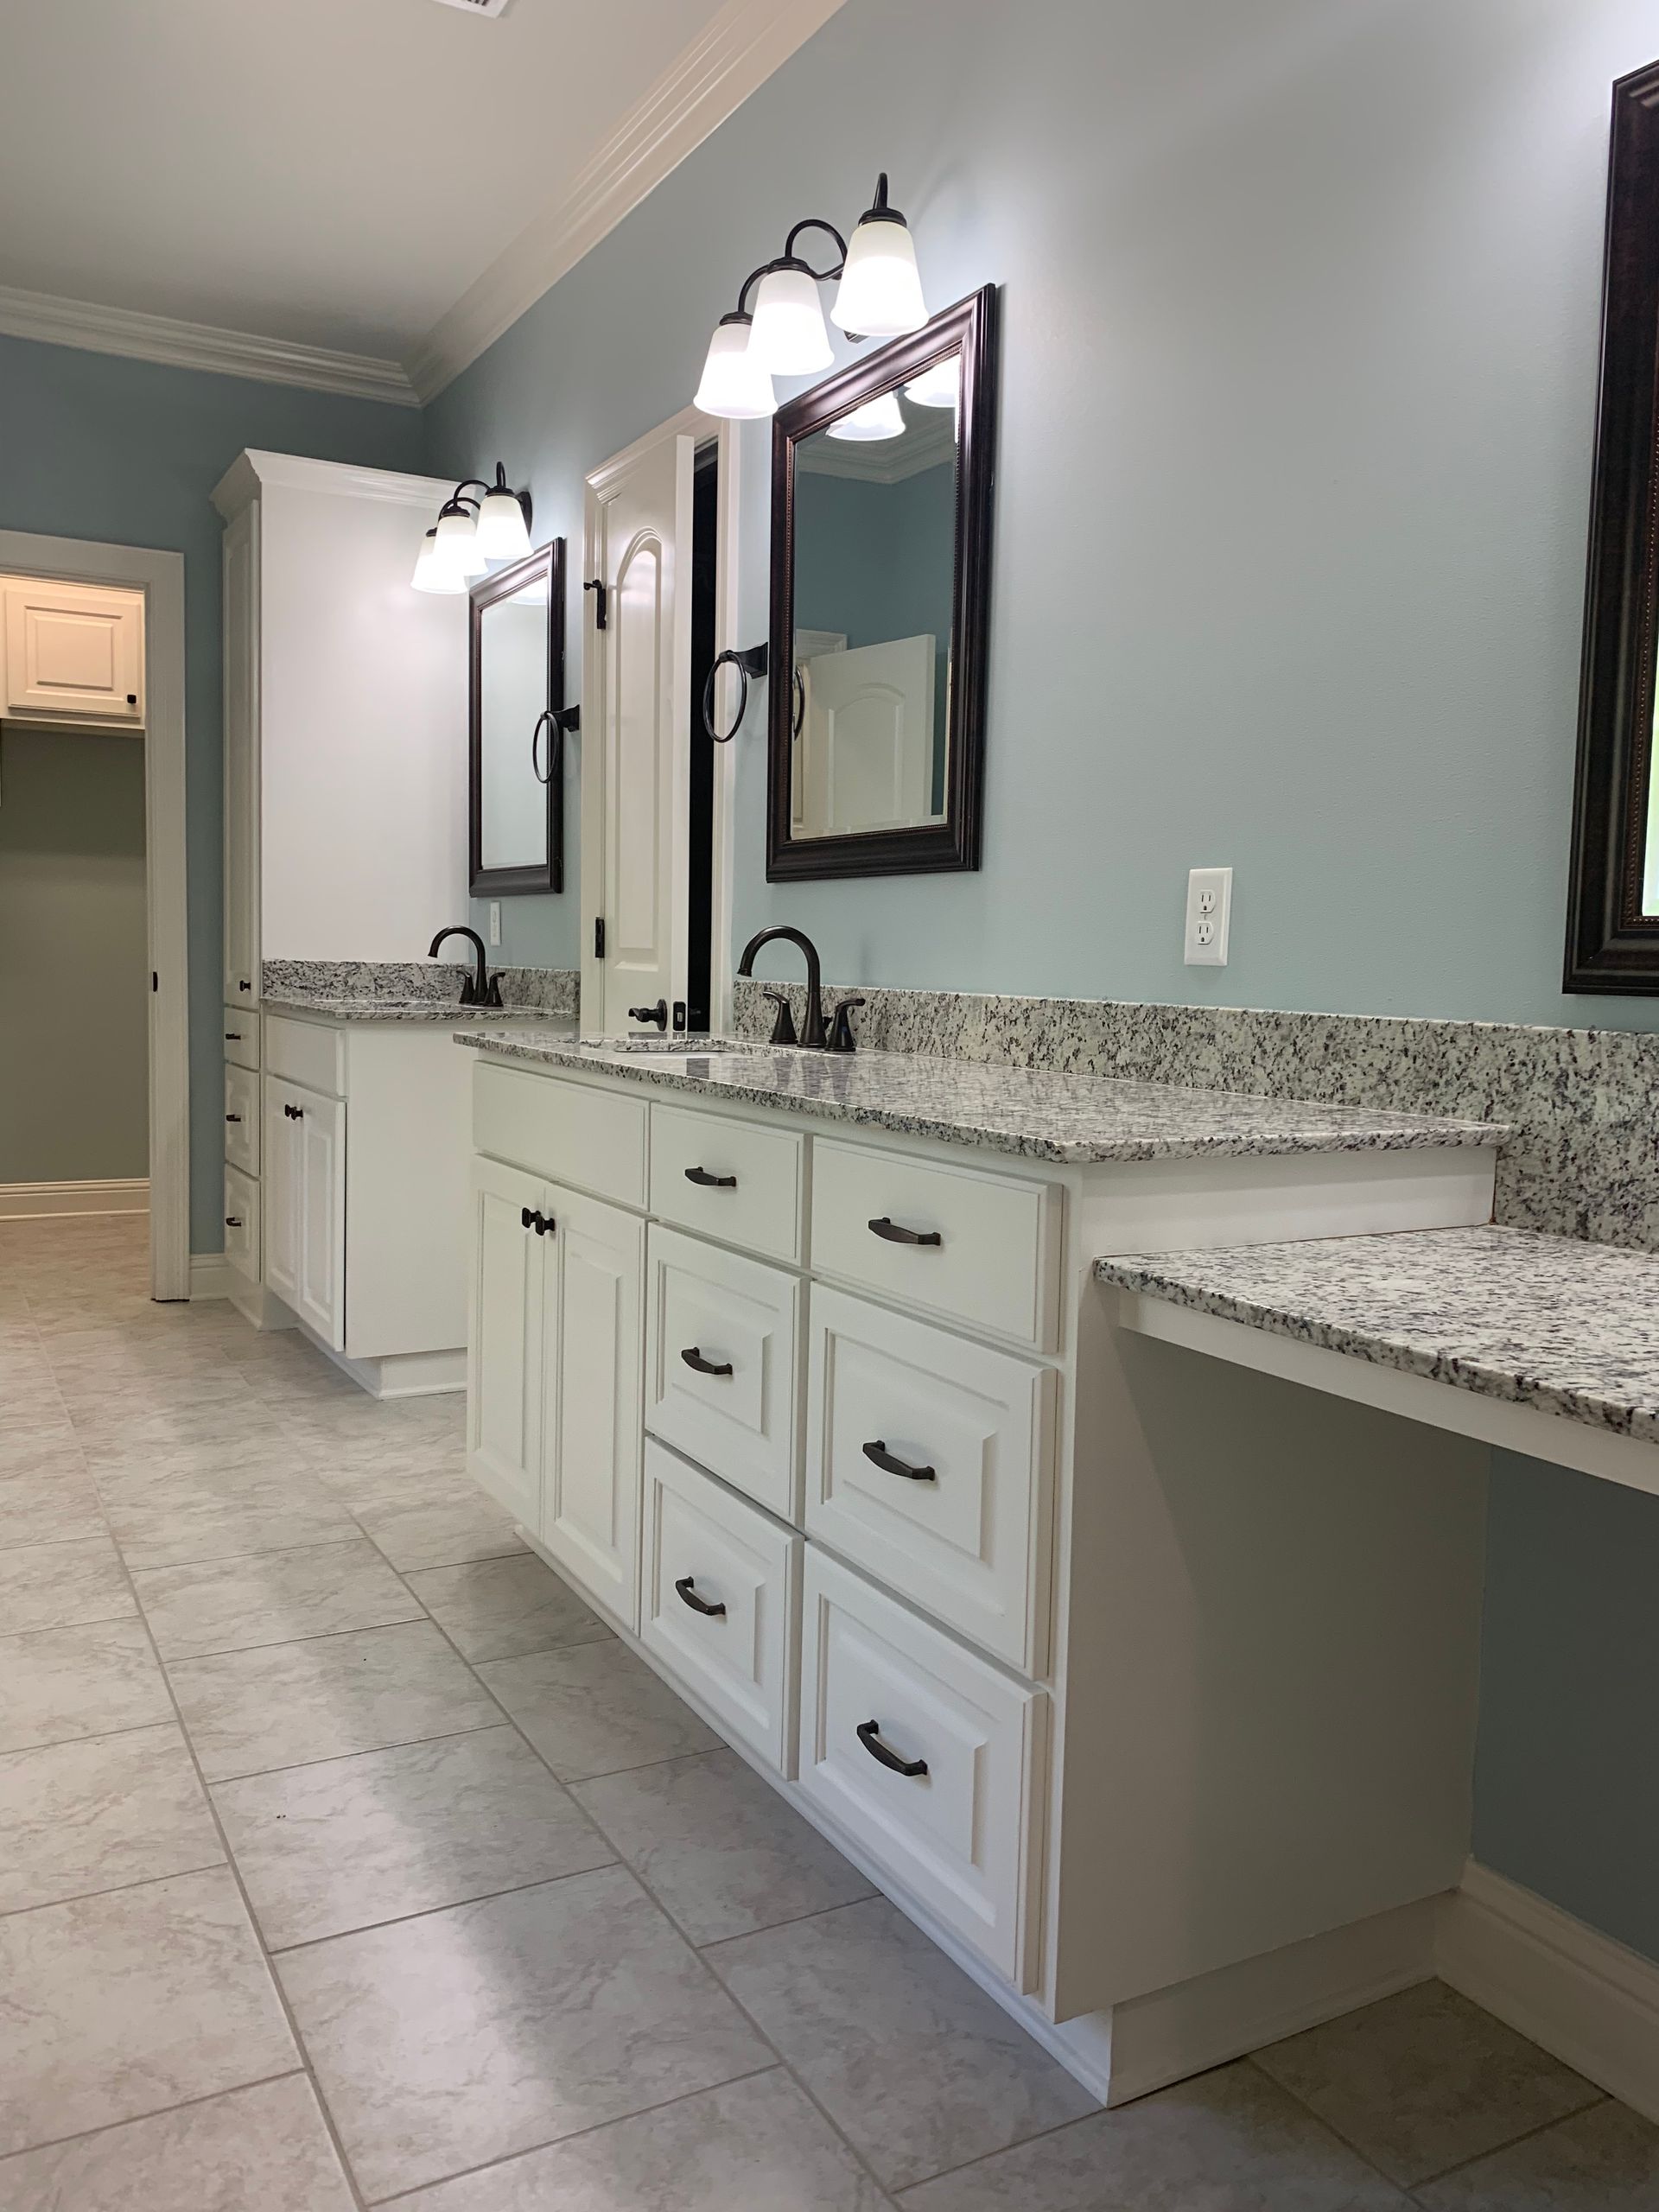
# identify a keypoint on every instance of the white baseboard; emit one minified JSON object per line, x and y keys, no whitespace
{"x":210,"y":1275}
{"x":21,"y":1201}
{"x":1586,"y":2000}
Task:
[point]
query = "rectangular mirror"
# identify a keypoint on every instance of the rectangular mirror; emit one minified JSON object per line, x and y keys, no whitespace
{"x":517,"y":745}
{"x":1613,"y":941}
{"x":881,"y":546}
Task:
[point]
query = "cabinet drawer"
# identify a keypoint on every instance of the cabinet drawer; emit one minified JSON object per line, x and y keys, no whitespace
{"x":310,"y":1054}
{"x":242,"y":1118}
{"x":242,"y":1036}
{"x":722,"y":1603}
{"x":976,"y":1248}
{"x":961,"y":1828}
{"x":728,"y":1179}
{"x":572,"y":1132}
{"x":724,"y":1313}
{"x":241,"y":1222}
{"x":929,"y":1464}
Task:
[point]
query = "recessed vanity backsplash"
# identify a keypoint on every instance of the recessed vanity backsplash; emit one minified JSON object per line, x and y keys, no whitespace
{"x":1583,"y":1161}
{"x":329,"y":982}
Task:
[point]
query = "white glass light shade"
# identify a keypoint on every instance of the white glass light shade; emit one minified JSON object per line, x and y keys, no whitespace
{"x":432,"y":571}
{"x":789,"y":339}
{"x":457,"y":545}
{"x":939,"y":386}
{"x":501,"y":535}
{"x":734,"y":386}
{"x":880,"y":294}
{"x":876,"y":418}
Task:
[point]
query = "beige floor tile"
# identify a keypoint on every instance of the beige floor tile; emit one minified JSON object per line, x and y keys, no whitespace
{"x":99,"y":1813}
{"x":443,"y":1529}
{"x":259,"y":2150}
{"x":1605,"y":2160}
{"x":718,"y":1847}
{"x":502,"y":1608}
{"x":51,"y":1501}
{"x":917,"y":2066}
{"x":1230,"y":2141}
{"x":58,"y":1683}
{"x":234,"y":1604}
{"x":184,"y":1519}
{"x":444,"y":2042}
{"x":291,"y":1704}
{"x":117,"y":2005}
{"x":594,"y":1708}
{"x":1424,"y":2081}
{"x":757,"y":2145}
{"x":62,"y":1585}
{"x":351,"y":1841}
{"x":206,"y":1440}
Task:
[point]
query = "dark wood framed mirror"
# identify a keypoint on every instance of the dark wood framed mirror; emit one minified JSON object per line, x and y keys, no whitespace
{"x":1612,"y":937}
{"x":517,"y":723}
{"x":882,"y":494}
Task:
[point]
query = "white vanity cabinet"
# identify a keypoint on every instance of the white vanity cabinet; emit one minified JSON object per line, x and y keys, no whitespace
{"x":1146,"y":1690}
{"x":305,"y":1206}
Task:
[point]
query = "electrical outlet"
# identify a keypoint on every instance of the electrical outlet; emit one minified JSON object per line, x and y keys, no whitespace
{"x":1209,"y":911}
{"x":495,"y":921}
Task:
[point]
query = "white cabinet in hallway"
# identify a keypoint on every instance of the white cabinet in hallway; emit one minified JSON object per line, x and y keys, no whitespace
{"x":305,"y":1206}
{"x":71,"y":654}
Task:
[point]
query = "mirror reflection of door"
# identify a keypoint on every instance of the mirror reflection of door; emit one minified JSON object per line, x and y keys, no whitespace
{"x":875,"y":533}
{"x":513,"y":694}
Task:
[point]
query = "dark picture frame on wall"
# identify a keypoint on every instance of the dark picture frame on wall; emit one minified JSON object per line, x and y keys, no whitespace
{"x":953,"y":841}
{"x":1611,"y":945}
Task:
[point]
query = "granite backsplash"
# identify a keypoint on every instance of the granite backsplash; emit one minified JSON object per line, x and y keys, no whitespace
{"x":1584,"y":1160}
{"x":534,"y":990}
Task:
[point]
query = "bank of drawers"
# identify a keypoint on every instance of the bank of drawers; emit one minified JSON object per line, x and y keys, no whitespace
{"x":242,"y":1211}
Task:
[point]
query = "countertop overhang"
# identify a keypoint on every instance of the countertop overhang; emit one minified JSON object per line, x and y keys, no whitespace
{"x":436,"y":1013}
{"x":1562,"y":1333}
{"x":1038,"y":1113}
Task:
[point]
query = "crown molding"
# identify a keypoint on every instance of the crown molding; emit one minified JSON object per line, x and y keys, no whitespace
{"x":739,"y":48}
{"x":54,"y":321}
{"x":254,"y":470}
{"x":882,"y":460}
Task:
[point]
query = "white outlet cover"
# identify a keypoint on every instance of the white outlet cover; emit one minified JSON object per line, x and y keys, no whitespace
{"x":495,"y":921}
{"x":1209,"y":914}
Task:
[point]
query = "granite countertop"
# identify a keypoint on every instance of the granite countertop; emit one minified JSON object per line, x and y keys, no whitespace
{"x":349,"y":1007}
{"x":1036,"y":1112}
{"x":1543,"y":1321}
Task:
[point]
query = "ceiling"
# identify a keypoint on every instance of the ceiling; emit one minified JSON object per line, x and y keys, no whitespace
{"x":334,"y":173}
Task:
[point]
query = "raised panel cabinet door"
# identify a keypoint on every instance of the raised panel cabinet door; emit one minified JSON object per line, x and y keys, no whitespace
{"x":241,"y":588}
{"x":75,"y":649}
{"x":321,"y":1301}
{"x":512,"y":1283}
{"x":283,"y":1178}
{"x":592,"y":1401}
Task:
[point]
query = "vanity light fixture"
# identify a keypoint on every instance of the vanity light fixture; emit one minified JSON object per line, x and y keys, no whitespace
{"x":471,"y":532}
{"x":783,"y":333}
{"x":877,"y":418}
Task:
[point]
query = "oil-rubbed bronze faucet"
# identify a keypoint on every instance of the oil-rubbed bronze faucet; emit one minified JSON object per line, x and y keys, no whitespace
{"x":812,"y":1035}
{"x":482,"y":988}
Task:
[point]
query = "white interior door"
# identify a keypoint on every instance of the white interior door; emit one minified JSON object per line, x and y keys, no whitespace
{"x":635,"y":743}
{"x":865,"y":756}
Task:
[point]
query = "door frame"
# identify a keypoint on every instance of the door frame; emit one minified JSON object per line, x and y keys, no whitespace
{"x":706,"y":429}
{"x":160,"y":576}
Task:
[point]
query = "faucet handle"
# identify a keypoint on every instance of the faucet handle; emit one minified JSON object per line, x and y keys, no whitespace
{"x":842,"y":1039}
{"x":493,"y":996}
{"x":783,"y":1028}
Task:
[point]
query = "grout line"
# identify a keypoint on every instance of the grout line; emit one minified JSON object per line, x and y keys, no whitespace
{"x":110,"y":1889}
{"x":363,"y":1750}
{"x":1510,"y":2143}
{"x":137,"y":2118}
{"x":449,"y":1905}
{"x":283,"y":1643}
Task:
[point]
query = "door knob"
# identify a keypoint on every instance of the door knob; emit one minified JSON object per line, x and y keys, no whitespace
{"x":657,"y":1013}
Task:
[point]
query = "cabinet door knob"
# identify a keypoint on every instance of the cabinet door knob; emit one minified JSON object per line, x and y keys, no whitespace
{"x":245,"y":987}
{"x":869,"y":1734}
{"x":232,"y":1117}
{"x":705,"y":1181}
{"x":693,"y":1358}
{"x":232,"y":1221}
{"x":532,"y":1217}
{"x":294,"y":1113}
{"x":895,"y":1233}
{"x":686,"y":1590}
{"x":879,"y":1456}
{"x":132,"y":698}
{"x":232,"y":1036}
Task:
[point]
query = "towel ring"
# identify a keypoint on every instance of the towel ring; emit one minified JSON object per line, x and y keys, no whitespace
{"x":750,"y":661}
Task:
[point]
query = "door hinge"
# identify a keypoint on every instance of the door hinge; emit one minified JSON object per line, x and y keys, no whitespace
{"x":601,"y":603}
{"x":599,"y":937}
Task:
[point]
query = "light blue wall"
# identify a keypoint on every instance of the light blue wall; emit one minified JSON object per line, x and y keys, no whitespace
{"x":127,"y":453}
{"x":1299,"y":377}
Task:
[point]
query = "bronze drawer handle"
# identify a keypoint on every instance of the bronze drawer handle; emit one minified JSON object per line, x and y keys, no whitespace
{"x":686,"y":1590}
{"x":879,"y":1456}
{"x":895,"y":1233}
{"x":869,"y":1734}
{"x":694,"y":1358}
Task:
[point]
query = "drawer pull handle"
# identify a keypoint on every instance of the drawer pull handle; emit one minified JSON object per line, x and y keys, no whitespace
{"x":693,"y":1358}
{"x":232,"y":1221}
{"x":879,"y":1456}
{"x":705,"y":1181}
{"x":895,"y":1233}
{"x":685,"y":1589}
{"x":541,"y":1223}
{"x":232,"y":1036}
{"x":869,"y":1734}
{"x":232,"y":1117}
{"x":245,"y":987}
{"x":294,"y":1113}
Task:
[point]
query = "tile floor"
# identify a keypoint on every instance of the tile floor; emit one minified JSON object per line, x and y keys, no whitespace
{"x":346,"y":1857}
